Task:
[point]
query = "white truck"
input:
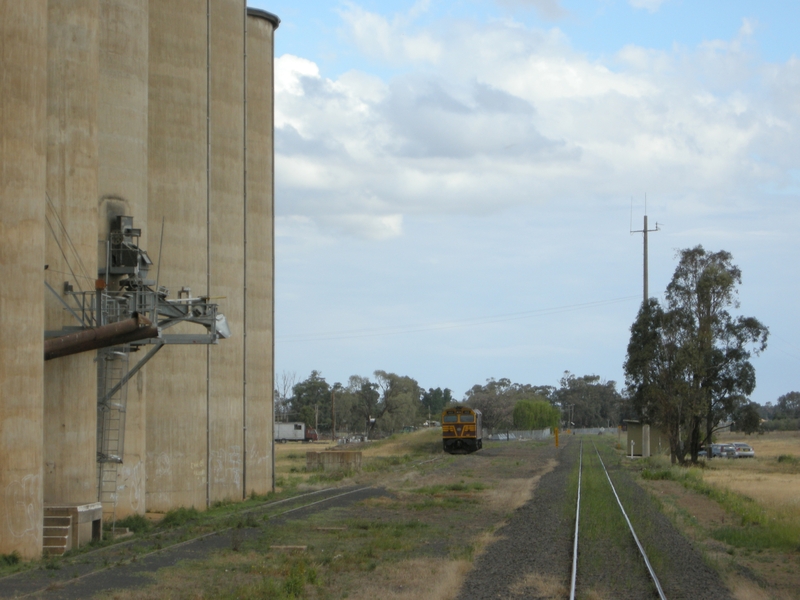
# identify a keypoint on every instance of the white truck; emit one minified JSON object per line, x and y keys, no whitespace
{"x":294,"y":432}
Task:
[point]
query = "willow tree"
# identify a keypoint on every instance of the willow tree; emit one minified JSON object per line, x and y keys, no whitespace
{"x":535,"y":413}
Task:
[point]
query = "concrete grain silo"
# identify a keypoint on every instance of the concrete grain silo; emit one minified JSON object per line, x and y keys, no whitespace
{"x":159,"y":111}
{"x":23,"y":119}
{"x":178,"y":177}
{"x":202,"y":435}
{"x":122,"y":190}
{"x":259,"y":254}
{"x":226,"y":245}
{"x":70,"y":399}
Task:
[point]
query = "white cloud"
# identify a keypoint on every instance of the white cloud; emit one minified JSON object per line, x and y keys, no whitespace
{"x":549,"y":9}
{"x":370,"y":227}
{"x":391,"y":41}
{"x":512,"y":116}
{"x":650,"y":5}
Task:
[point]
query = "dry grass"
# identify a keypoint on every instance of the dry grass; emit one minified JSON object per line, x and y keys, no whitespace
{"x":414,"y":579}
{"x":770,"y":483}
{"x":768,"y":445}
{"x":748,"y":590}
{"x":542,"y":586}
{"x":778,"y":491}
{"x":401,"y":443}
{"x":510,"y":494}
{"x":751,"y":574}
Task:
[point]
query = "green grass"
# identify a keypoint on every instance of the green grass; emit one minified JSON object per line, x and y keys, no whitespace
{"x":178,"y":517}
{"x":380,"y":463}
{"x":758,"y":528}
{"x":135,"y":523}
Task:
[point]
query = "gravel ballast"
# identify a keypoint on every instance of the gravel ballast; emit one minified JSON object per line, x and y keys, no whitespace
{"x":532,"y":557}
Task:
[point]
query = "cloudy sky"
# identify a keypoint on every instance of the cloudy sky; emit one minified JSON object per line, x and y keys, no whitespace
{"x":456,"y":180}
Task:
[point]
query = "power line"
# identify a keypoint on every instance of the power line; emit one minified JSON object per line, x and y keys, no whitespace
{"x":473,"y":322}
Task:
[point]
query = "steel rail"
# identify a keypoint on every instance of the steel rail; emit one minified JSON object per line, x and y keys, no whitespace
{"x":122,"y":544}
{"x":195,"y":539}
{"x":577,"y":519}
{"x":630,"y":526}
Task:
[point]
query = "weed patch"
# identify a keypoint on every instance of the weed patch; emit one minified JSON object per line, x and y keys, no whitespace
{"x":135,"y":523}
{"x":179,"y":516}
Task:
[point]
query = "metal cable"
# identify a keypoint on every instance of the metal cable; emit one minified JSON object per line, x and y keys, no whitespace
{"x":66,"y":260}
{"x":70,"y":243}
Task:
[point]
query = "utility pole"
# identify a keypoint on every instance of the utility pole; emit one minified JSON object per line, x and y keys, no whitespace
{"x":645,"y":231}
{"x":333,"y":417}
{"x":316,"y":418}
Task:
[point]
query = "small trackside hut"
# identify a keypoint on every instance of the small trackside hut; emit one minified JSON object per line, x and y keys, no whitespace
{"x":461,"y":430}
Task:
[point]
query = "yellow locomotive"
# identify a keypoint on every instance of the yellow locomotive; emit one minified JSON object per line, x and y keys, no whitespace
{"x":461,"y":430}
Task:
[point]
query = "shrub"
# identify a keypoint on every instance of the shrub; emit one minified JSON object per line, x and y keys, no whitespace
{"x":179,"y":516}
{"x":135,"y":523}
{"x":658,"y":474}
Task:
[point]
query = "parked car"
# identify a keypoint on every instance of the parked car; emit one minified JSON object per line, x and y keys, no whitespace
{"x":723,"y":451}
{"x":743,"y":450}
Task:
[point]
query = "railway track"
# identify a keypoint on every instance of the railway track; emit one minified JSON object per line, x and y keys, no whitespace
{"x":71,"y":572}
{"x":576,"y":538}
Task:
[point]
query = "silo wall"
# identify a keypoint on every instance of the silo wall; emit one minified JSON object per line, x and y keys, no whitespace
{"x":70,"y":397}
{"x":122,"y":190}
{"x":260,"y":254}
{"x":226,"y":239}
{"x":23,"y":119}
{"x":197,"y":400}
{"x":177,"y":378}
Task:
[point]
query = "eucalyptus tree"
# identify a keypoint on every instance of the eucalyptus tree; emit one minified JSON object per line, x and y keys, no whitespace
{"x":688,"y":365}
{"x":399,"y":401}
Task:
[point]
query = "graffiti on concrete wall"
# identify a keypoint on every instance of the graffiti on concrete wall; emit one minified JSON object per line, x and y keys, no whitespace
{"x":256,"y":458}
{"x":226,"y":466}
{"x":163,"y":465}
{"x":23,"y":506}
{"x":131,"y":479}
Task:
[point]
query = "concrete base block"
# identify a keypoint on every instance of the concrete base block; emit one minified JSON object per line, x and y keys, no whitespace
{"x":85,"y":524}
{"x":333,"y":461}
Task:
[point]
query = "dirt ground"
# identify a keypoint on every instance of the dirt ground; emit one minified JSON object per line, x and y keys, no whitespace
{"x":431,"y":516}
{"x":752,"y":574}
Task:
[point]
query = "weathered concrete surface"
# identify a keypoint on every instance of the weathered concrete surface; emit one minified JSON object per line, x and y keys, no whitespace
{"x":23,"y":119}
{"x":177,"y":163}
{"x":122,"y":190}
{"x":70,"y":401}
{"x":226,"y":236}
{"x":260,"y":255}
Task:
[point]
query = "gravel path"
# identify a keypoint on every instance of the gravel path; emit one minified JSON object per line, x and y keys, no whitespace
{"x":532,"y":556}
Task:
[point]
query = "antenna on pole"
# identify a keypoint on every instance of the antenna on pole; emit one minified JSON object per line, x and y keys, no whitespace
{"x":644,"y":231}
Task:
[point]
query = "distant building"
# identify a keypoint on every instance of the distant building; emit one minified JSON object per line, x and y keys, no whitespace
{"x":645,"y":440}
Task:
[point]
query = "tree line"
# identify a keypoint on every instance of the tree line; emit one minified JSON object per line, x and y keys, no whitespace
{"x":388,"y":402}
{"x":783,"y":415}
